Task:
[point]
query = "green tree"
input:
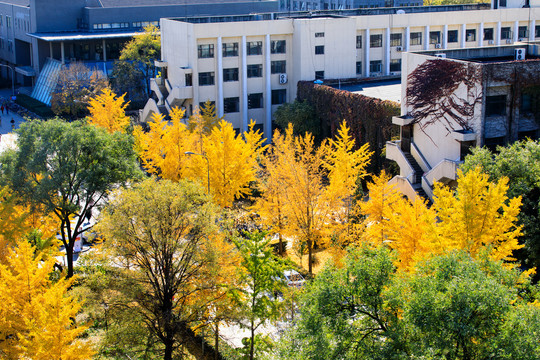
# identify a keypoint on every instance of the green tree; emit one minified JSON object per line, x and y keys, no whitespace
{"x":127,"y":78}
{"x":68,"y":168}
{"x":77,"y":84}
{"x":262,"y":273}
{"x":452,"y":307}
{"x":520,"y":163}
{"x":302,"y":116}
{"x":143,"y":49}
{"x":163,"y":235}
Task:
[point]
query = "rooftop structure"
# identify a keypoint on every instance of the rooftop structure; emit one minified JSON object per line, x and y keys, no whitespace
{"x":456,"y":99}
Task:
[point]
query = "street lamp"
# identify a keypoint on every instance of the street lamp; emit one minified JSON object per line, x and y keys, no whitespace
{"x":208,"y":166}
{"x":12,"y":78}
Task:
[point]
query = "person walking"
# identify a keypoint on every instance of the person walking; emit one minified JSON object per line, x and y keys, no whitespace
{"x":12,"y":123}
{"x":2,"y":108}
{"x":7,"y":110}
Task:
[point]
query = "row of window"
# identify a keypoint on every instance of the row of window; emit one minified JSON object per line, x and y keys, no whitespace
{"x":206,"y":51}
{"x":124,"y":25}
{"x":253,"y":71}
{"x":375,"y":66}
{"x":376,"y":40}
{"x":496,"y":105}
{"x":9,"y":45}
{"x":255,"y":101}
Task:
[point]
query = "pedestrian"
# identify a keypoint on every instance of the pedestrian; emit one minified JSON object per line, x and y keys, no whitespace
{"x":2,"y":108}
{"x":12,"y":124}
{"x":7,"y":109}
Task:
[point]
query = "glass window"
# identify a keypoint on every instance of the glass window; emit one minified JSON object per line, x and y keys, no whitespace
{"x":277,"y":46}
{"x":319,"y":50}
{"x":189,"y":79}
{"x":506,"y":33}
{"x":278,"y":67}
{"x":375,"y":66}
{"x":452,"y":36}
{"x":488,"y":34}
{"x":395,"y":65}
{"x":526,"y":104}
{"x":416,"y":38}
{"x":319,"y":34}
{"x":496,"y":105}
{"x":434,"y":37}
{"x":522,"y":32}
{"x":8,"y":21}
{"x":375,"y":40}
{"x":206,"y":78}
{"x":230,"y":74}
{"x":358,"y":41}
{"x":470,"y":34}
{"x":206,"y":51}
{"x":231,"y":105}
{"x":279,"y":96}
{"x":255,"y":101}
{"x":254,"y":71}
{"x":319,"y":75}
{"x":254,"y":48}
{"x":358,"y":68}
{"x":537,"y":31}
{"x":230,"y":49}
{"x":395,"y":39}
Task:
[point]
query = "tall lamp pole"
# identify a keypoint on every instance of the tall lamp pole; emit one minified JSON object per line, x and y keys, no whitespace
{"x":12,"y":78}
{"x":208,"y":167}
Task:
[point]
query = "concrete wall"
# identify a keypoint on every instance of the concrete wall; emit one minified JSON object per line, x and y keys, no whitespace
{"x":55,"y":15}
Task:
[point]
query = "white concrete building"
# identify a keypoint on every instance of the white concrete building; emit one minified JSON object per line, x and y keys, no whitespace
{"x":249,"y":65}
{"x":454,"y":100}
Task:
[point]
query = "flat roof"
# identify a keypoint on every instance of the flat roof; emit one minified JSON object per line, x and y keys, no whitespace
{"x":384,"y":90}
{"x":136,"y":3}
{"x":71,"y":36}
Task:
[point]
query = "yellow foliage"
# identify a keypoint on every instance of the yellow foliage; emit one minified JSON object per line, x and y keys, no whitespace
{"x":109,"y":111}
{"x":35,"y":313}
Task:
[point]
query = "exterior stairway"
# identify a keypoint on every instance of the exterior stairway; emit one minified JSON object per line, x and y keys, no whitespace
{"x":417,"y":179}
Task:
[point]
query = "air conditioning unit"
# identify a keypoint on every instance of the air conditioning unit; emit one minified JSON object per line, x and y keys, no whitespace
{"x":395,"y":73}
{"x":399,"y":48}
{"x":437,"y":46}
{"x":490,"y":42}
{"x":508,"y":41}
{"x":282,"y":78}
{"x":440,"y":55}
{"x":519,"y":54}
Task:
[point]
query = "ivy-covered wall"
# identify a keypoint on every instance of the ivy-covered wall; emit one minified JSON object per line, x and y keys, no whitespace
{"x":370,"y":119}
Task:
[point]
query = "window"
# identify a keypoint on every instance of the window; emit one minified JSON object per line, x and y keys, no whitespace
{"x":358,"y":68}
{"x":189,"y":79}
{"x":526,"y":104}
{"x":522,"y":32}
{"x":278,"y":67}
{"x":231,"y":105}
{"x":8,"y":21}
{"x":10,"y":46}
{"x":395,"y":39}
{"x":206,"y":51}
{"x":254,"y":71}
{"x":277,"y":47}
{"x":506,"y":33}
{"x":537,"y":31}
{"x":230,"y":74}
{"x":452,"y":36}
{"x":416,"y":38}
{"x":496,"y":105}
{"x":375,"y":40}
{"x":319,"y":50}
{"x":279,"y":96}
{"x":1,"y":20}
{"x":395,"y":65}
{"x":470,"y":34}
{"x":2,"y":42}
{"x":319,"y":75}
{"x":319,"y":34}
{"x":434,"y":37}
{"x":375,"y":66}
{"x":142,"y":24}
{"x":254,"y":48}
{"x":358,"y":41}
{"x":502,"y":3}
{"x":230,"y":49}
{"x":255,"y":101}
{"x":488,"y":34}
{"x":206,"y":78}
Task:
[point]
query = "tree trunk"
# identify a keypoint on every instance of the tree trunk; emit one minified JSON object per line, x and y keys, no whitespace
{"x":69,"y":256}
{"x":168,"y":349}
{"x":216,"y":342}
{"x":310,"y":254}
{"x":252,"y":342}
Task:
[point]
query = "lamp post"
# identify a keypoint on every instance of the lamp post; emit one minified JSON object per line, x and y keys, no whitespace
{"x":12,"y":78}
{"x":208,"y":166}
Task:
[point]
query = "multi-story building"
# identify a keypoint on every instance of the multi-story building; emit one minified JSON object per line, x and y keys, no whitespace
{"x":252,"y":66}
{"x":455,"y":99}
{"x":307,"y":5}
{"x":34,"y":31}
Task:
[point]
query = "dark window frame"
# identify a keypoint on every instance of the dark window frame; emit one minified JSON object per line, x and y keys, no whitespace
{"x":470,"y":35}
{"x":207,"y":78}
{"x":452,"y":36}
{"x":205,"y":51}
{"x":279,"y":96}
{"x":230,"y":49}
{"x":396,"y":39}
{"x":278,"y":67}
{"x":254,"y":71}
{"x":434,"y":37}
{"x":278,"y":46}
{"x":496,"y":105}
{"x":230,"y":74}
{"x":415,"y":38}
{"x":231,"y":105}
{"x":255,"y":101}
{"x":375,"y":40}
{"x":358,"y":41}
{"x":254,"y":49}
{"x":319,"y":50}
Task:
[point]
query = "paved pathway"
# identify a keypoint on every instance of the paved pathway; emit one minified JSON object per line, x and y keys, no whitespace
{"x":7,"y":137}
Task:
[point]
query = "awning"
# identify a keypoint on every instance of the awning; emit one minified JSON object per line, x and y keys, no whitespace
{"x":25,"y":70}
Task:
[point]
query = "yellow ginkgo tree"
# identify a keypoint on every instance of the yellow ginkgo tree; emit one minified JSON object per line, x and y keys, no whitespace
{"x":36,"y":314}
{"x":109,"y":111}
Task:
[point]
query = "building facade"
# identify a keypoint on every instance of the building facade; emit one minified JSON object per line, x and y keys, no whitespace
{"x":249,"y":68}
{"x":454,"y":100}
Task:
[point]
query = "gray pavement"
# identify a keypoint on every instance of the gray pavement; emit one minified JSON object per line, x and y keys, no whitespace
{"x":5,"y":125}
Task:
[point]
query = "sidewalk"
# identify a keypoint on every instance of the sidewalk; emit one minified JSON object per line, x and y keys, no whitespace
{"x":5,"y":124}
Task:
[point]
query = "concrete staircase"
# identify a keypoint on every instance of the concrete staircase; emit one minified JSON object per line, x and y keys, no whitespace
{"x":417,"y":178}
